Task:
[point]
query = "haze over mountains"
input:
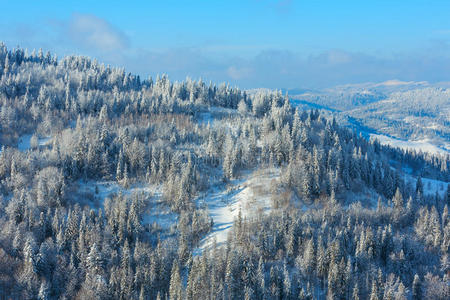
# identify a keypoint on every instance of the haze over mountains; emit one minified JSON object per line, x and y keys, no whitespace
{"x":414,"y":115}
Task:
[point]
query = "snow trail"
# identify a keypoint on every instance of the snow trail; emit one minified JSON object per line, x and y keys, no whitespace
{"x":250,"y":195}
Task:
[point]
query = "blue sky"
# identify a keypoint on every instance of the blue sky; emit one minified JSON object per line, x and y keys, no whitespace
{"x":249,"y":43}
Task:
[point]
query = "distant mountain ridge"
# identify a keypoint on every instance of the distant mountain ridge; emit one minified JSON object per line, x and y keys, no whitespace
{"x":410,"y":111}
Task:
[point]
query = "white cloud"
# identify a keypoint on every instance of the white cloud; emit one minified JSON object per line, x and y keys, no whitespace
{"x":338,"y":57}
{"x":288,"y":69}
{"x":239,"y":72}
{"x":95,"y":33}
{"x":273,"y":68}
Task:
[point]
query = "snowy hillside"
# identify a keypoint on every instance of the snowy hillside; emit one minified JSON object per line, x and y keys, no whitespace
{"x":247,"y":196}
{"x":113,"y":187}
{"x":398,"y":112}
{"x":419,"y":145}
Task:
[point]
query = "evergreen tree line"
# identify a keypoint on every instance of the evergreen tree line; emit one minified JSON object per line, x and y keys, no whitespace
{"x":107,"y":125}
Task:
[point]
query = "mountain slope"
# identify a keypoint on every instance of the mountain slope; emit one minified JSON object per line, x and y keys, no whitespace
{"x":410,"y":111}
{"x":112,"y":187}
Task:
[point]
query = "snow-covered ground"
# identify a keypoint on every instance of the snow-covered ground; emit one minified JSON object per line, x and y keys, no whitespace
{"x":157,"y":213}
{"x":421,"y":145}
{"x":24,"y":142}
{"x":205,"y":118}
{"x":214,"y":113}
{"x":430,"y":186}
{"x":250,"y":194}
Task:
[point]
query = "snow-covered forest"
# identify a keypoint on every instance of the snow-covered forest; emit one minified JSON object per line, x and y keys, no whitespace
{"x":118,"y":187}
{"x":417,"y":113}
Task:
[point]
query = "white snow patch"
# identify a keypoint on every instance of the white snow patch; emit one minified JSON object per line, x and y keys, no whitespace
{"x":250,"y":195}
{"x":24,"y":142}
{"x":100,"y":190}
{"x":420,"y":145}
{"x":395,"y":82}
{"x":205,"y":118}
{"x":214,"y":113}
{"x":367,"y":197}
{"x":430,"y":186}
{"x":157,"y":213}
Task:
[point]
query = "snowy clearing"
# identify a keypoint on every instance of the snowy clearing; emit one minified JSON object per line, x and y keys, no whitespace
{"x":250,"y":195}
{"x":213,"y":114}
{"x":421,"y":145}
{"x":25,"y":142}
{"x":430,"y":186}
{"x":156,"y":214}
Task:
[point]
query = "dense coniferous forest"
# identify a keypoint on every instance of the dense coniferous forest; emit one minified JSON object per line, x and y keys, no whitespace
{"x":348,"y":218}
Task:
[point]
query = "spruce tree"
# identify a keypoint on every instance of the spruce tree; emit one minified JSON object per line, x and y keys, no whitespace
{"x":175,"y":289}
{"x":416,"y":288}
